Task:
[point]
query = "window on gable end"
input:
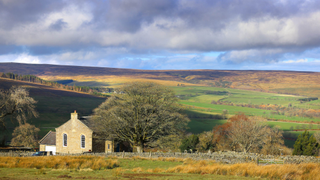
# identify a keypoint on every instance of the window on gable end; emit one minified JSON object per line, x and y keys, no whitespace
{"x":83,"y":141}
{"x":65,"y":140}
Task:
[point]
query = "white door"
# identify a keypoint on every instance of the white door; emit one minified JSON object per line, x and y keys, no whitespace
{"x":51,"y":148}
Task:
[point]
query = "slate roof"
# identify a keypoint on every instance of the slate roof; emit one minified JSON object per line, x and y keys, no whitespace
{"x":86,"y":121}
{"x":49,"y":138}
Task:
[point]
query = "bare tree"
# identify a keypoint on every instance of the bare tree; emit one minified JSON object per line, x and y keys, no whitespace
{"x":140,"y":112}
{"x":273,"y":143}
{"x":317,"y":136}
{"x":247,"y":133}
{"x":25,"y":135}
{"x":16,"y":103}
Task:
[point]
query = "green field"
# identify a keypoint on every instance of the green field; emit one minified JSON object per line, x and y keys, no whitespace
{"x":198,"y":100}
{"x":55,"y":106}
{"x":214,"y":108}
{"x":129,"y":169}
{"x":200,"y":94}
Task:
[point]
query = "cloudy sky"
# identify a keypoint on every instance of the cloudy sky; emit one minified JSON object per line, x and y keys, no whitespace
{"x":163,"y":34}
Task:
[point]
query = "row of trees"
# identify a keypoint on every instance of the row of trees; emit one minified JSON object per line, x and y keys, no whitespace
{"x":34,"y":79}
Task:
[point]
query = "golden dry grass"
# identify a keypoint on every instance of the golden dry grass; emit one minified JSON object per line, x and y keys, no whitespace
{"x":302,"y":83}
{"x":276,"y":171}
{"x":117,"y":171}
{"x":168,"y":159}
{"x":59,"y":162}
{"x":289,"y":171}
{"x":115,"y":81}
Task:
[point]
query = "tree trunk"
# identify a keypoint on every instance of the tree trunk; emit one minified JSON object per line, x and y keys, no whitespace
{"x":138,"y":147}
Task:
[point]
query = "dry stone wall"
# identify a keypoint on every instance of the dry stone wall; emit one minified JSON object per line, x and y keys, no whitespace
{"x":221,"y":157}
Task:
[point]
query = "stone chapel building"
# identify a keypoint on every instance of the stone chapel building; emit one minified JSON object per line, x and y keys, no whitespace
{"x":74,"y":136}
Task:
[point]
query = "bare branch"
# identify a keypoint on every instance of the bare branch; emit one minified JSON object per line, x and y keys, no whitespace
{"x":17,"y":104}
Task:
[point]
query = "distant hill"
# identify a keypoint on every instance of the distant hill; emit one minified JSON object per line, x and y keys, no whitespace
{"x":287,"y":82}
{"x":54,"y":105}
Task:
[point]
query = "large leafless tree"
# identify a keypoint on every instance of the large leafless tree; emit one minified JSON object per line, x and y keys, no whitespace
{"x":247,"y":132}
{"x":140,"y":112}
{"x":17,"y":104}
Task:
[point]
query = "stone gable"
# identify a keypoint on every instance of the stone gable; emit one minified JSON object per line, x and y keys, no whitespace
{"x":74,"y":129}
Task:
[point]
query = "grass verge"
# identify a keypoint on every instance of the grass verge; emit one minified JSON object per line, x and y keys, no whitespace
{"x":59,"y":162}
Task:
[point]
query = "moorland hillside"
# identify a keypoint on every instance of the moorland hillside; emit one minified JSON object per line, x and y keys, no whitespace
{"x":285,"y":82}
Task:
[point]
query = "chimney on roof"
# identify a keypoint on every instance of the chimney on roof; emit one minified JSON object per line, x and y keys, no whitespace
{"x":74,"y":115}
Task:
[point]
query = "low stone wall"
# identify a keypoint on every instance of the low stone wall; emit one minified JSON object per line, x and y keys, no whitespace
{"x":16,"y":154}
{"x":221,"y":157}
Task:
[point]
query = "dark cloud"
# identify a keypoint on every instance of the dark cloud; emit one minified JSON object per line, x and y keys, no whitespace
{"x":19,"y":12}
{"x":128,"y":32}
{"x":58,"y":25}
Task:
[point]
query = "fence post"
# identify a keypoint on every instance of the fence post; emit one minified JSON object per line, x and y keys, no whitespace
{"x":258,"y":161}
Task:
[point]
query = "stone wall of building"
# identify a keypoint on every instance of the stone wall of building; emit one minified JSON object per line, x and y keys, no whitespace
{"x":42,"y":147}
{"x":109,"y":146}
{"x":74,"y":128}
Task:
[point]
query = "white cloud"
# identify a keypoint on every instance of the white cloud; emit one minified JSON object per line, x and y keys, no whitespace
{"x":24,"y":58}
{"x":296,"y":61}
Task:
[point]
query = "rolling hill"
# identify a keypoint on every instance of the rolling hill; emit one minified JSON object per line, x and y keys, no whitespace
{"x":285,"y":82}
{"x":236,"y":91}
{"x":54,"y":105}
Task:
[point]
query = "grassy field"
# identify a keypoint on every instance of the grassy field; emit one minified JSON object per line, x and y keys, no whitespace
{"x":55,"y":106}
{"x":202,"y":113}
{"x":134,"y":168}
{"x":44,"y":174}
{"x":200,"y":94}
{"x":87,"y":167}
{"x":199,"y":99}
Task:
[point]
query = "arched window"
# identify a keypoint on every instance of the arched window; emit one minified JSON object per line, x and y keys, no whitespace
{"x":65,"y":140}
{"x":83,"y":141}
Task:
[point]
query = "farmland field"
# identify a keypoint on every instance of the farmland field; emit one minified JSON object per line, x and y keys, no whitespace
{"x":203,"y":114}
{"x":198,"y":91}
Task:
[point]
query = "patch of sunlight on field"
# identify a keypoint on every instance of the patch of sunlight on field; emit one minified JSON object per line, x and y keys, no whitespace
{"x":115,"y":81}
{"x":205,"y":98}
{"x":286,"y":126}
{"x":246,"y":110}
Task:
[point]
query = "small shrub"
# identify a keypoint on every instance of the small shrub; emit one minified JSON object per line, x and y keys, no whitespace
{"x":117,"y":172}
{"x":137,"y":170}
